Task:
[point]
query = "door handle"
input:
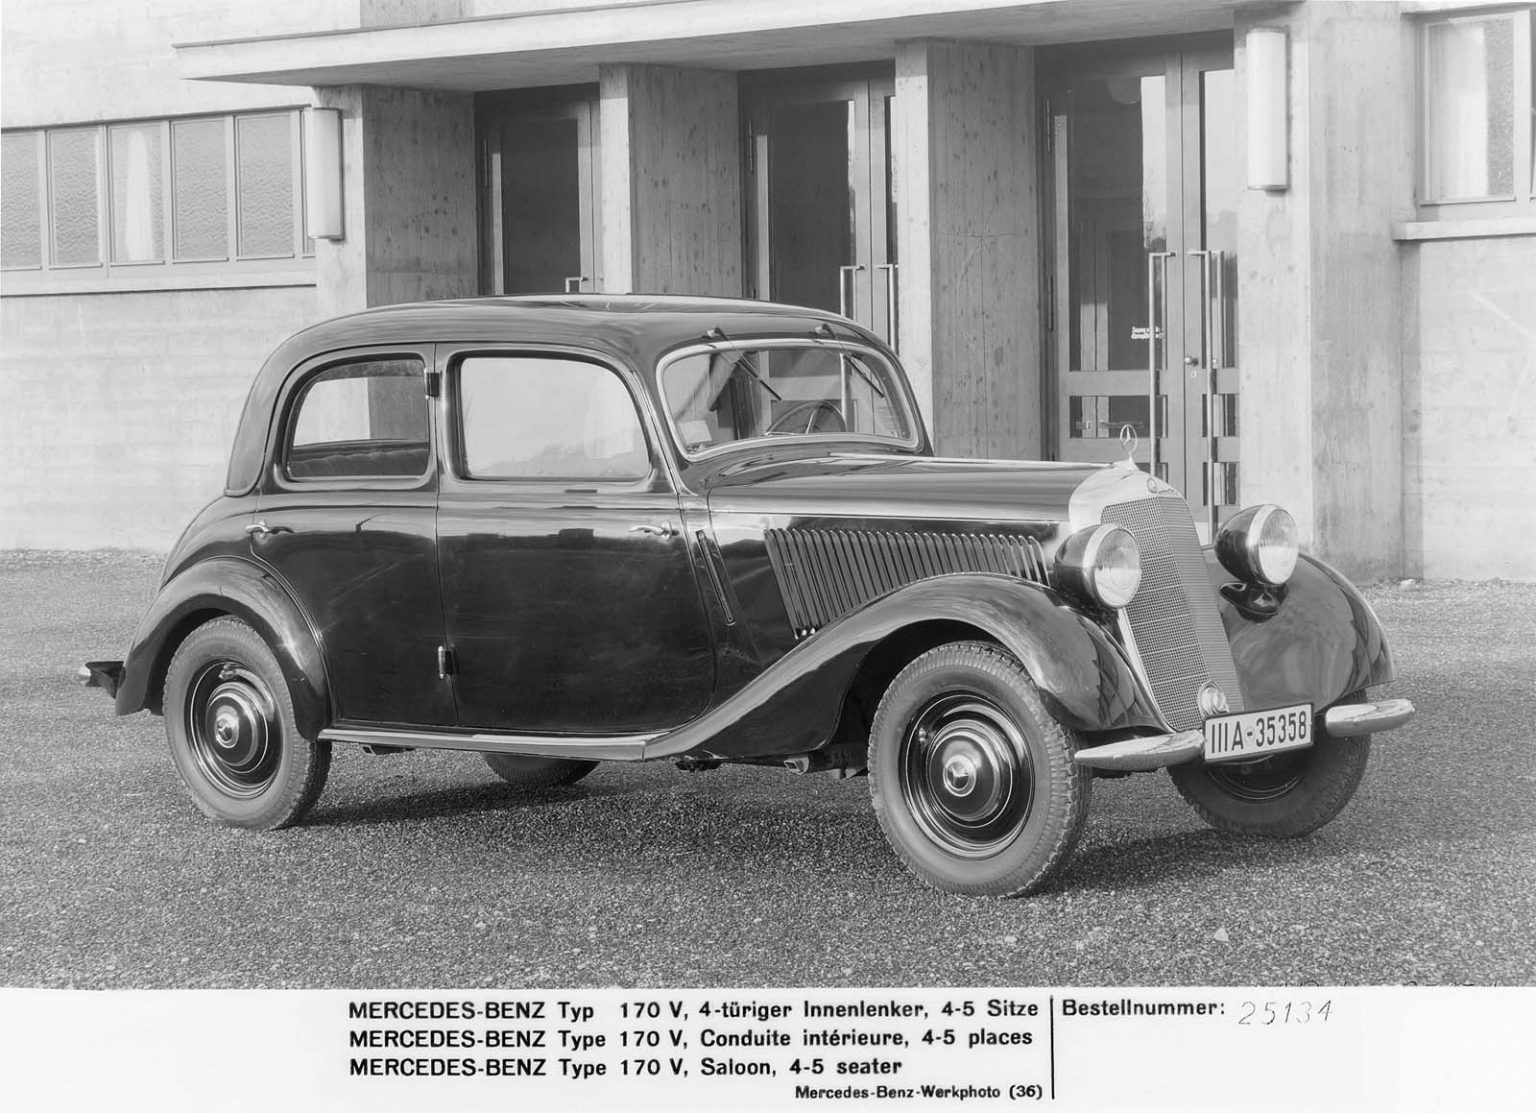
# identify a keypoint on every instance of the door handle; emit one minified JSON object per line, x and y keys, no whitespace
{"x":1157,"y":261}
{"x":890,"y":303}
{"x":844,"y":295}
{"x":261,"y":529}
{"x":664,"y":531}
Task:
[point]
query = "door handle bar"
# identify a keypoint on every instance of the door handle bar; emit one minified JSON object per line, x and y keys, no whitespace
{"x":890,"y":270}
{"x":665,"y":530}
{"x":1157,"y":310}
{"x":261,"y":529}
{"x":844,"y":295}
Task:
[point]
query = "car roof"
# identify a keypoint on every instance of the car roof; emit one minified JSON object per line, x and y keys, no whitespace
{"x":629,"y":328}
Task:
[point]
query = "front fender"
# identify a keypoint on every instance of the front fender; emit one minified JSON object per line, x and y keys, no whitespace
{"x":227,"y":586}
{"x":1322,"y":643}
{"x":1083,"y":676}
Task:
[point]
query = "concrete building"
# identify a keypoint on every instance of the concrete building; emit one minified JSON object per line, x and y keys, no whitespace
{"x":1307,"y":230}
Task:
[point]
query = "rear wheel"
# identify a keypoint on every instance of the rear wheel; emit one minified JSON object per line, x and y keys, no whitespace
{"x":972,"y":781}
{"x":230,"y":723}
{"x":1284,"y":796}
{"x":525,"y":771}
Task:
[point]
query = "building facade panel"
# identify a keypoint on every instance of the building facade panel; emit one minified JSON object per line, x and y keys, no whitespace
{"x":120,"y":408}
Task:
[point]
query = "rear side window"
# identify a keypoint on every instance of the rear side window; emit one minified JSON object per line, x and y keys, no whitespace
{"x":363,"y":420}
{"x":532,"y":417}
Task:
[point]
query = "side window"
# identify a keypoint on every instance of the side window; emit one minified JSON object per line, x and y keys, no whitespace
{"x":532,"y":417}
{"x":364,"y":420}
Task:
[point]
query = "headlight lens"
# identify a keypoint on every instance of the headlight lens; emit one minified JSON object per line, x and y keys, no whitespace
{"x":1102,"y":563}
{"x":1259,"y":545}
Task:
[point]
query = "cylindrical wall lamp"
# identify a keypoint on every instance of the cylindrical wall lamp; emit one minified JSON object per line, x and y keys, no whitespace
{"x":1268,"y":149}
{"x":322,"y":173}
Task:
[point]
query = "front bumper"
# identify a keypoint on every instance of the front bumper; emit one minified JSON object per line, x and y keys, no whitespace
{"x":106,"y":675}
{"x":1137,"y":755}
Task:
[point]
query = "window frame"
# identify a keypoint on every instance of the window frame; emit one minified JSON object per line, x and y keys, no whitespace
{"x":1521,"y":201}
{"x":280,"y":441}
{"x":913,"y":416}
{"x":656,"y":474}
{"x":47,"y":276}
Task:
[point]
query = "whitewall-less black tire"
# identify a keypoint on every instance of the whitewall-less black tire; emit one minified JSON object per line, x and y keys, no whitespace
{"x":972,"y":781}
{"x":1281,"y":797}
{"x":529,"y":772}
{"x":229,"y":719}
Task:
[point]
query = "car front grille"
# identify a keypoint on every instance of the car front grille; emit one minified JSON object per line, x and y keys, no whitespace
{"x":1175,"y":617}
{"x":825,"y":573}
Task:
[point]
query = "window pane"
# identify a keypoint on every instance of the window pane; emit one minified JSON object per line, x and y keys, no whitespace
{"x":738,"y":394}
{"x":200,"y":190}
{"x":138,"y":195}
{"x":21,"y":227}
{"x":264,"y":165}
{"x":361,"y":420}
{"x":72,"y":158}
{"x":529,"y":418}
{"x":1469,"y":110}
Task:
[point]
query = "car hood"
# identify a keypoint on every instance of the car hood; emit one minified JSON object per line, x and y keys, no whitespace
{"x":887,"y":486}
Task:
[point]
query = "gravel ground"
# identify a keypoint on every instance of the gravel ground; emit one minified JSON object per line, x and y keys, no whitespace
{"x":425,"y":870}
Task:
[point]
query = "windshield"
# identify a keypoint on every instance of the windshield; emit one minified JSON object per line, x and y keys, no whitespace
{"x":740,"y":392}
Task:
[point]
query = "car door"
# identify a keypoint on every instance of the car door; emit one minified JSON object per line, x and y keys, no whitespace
{"x":569,"y":593}
{"x":346,"y":517}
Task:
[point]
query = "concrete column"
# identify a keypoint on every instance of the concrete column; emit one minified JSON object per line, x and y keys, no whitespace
{"x":965,"y":153}
{"x":1321,"y":326}
{"x":408,"y":183}
{"x":670,"y":181}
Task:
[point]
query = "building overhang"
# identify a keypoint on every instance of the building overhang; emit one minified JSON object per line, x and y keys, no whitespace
{"x":566,"y":44}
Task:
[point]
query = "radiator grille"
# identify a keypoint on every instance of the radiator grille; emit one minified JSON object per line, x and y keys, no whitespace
{"x":825,"y":573}
{"x":1174,"y":616}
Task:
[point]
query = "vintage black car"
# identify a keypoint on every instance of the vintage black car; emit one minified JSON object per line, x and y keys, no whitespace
{"x":566,"y":530}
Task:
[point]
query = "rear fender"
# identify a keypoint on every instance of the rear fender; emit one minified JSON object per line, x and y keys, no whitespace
{"x":227,"y":586}
{"x":1322,"y":643}
{"x":1083,"y":676}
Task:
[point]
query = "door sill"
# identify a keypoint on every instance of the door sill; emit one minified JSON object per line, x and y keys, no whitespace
{"x":615,"y":747}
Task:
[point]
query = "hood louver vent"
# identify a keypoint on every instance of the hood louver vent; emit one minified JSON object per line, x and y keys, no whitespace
{"x":825,"y":573}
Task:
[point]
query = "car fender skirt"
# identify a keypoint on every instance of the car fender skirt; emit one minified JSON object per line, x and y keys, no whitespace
{"x":1083,"y":677}
{"x":1317,"y":643}
{"x":227,"y":585}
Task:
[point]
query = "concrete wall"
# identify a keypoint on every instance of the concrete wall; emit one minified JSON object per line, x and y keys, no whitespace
{"x":966,"y":165}
{"x":119,"y":408}
{"x":408,"y":172}
{"x":671,"y":181}
{"x":1469,"y":408}
{"x":1320,"y":389}
{"x":119,"y":63}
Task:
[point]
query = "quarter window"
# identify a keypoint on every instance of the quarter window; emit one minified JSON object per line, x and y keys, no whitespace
{"x":361,"y":420}
{"x":530,"y":417}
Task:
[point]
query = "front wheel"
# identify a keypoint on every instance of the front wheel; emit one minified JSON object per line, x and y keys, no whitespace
{"x":973,"y":782}
{"x":1281,"y":797}
{"x":229,"y":720}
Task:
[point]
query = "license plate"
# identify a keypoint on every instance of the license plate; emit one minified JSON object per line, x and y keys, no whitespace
{"x":1256,"y":734}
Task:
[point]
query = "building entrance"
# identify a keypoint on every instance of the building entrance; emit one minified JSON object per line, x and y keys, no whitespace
{"x":821,"y":227}
{"x":539,"y":202}
{"x":1142,"y":188}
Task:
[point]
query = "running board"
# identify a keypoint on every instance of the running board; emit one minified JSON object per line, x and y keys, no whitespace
{"x":619,"y":747}
{"x":1137,"y":755}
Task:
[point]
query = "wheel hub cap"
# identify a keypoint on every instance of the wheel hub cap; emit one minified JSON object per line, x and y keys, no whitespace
{"x":233,"y":728}
{"x":967,"y":776}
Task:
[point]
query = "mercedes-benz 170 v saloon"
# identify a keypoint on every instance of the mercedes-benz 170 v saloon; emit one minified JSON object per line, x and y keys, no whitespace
{"x":567,"y":530}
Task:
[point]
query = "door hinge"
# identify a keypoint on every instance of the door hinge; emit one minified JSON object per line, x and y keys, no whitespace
{"x":434,"y":383}
{"x":447,"y":663}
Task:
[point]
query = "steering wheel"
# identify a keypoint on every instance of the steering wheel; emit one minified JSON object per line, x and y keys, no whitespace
{"x":819,"y":415}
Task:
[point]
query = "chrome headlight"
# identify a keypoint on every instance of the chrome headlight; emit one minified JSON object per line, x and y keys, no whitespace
{"x":1102,"y":563}
{"x":1259,"y":545}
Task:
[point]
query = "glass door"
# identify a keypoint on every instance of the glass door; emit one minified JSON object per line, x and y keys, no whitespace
{"x":822,"y":227}
{"x":1142,"y":193}
{"x":540,"y":207}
